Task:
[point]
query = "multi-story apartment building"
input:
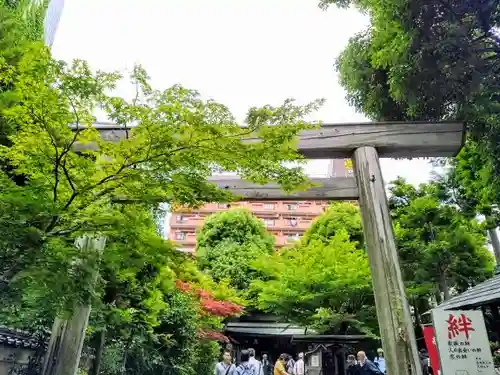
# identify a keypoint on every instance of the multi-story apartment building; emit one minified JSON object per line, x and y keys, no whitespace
{"x":287,"y":220}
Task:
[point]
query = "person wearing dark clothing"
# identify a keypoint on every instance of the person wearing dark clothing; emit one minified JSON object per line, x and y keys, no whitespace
{"x":267,"y":366}
{"x":352,"y":365}
{"x":424,"y":362}
{"x":367,"y":367}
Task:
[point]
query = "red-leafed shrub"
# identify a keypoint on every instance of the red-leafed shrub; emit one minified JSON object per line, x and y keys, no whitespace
{"x":209,"y":304}
{"x":212,"y":335}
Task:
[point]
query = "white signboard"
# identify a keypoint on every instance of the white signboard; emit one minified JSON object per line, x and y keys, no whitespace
{"x":315,"y":360}
{"x":462,"y":342}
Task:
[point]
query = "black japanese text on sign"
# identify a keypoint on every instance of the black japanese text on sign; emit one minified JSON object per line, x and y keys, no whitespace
{"x":459,"y":328}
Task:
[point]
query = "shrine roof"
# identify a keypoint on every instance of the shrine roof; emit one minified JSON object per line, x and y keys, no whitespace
{"x":487,"y":292}
{"x":17,"y":338}
{"x":266,"y":328}
{"x":294,"y":332}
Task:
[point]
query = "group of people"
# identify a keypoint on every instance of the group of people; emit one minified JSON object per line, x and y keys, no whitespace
{"x":363,"y":366}
{"x":249,"y":365}
{"x":286,"y":365}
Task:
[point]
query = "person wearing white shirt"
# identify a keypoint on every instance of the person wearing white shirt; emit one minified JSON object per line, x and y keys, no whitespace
{"x":225,"y":367}
{"x":300,"y":367}
{"x":258,"y":370}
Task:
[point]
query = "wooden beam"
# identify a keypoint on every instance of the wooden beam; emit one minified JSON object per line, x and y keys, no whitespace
{"x":393,"y":312}
{"x":337,"y":188}
{"x":391,"y":139}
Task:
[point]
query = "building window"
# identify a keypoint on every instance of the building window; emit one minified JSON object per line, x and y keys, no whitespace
{"x":269,"y":222}
{"x":180,"y":236}
{"x":292,"y":207}
{"x":293,"y":237}
{"x":268,"y":206}
{"x":181,"y":218}
{"x":292,"y":222}
{"x":223,"y":205}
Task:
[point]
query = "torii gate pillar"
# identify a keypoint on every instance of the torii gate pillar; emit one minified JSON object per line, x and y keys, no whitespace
{"x":393,"y":312}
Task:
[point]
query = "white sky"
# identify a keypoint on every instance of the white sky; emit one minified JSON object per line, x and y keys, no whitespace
{"x":240,"y":52}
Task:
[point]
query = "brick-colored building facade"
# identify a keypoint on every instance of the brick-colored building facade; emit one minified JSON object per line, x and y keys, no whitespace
{"x":287,"y":220}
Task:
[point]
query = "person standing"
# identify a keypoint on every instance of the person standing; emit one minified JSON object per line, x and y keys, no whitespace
{"x":267,"y":367}
{"x":290,"y":365}
{"x":279,"y":367}
{"x":352,"y":365}
{"x":225,"y":367}
{"x":244,"y":368}
{"x":380,"y":360}
{"x":367,"y":367}
{"x":254,"y":362}
{"x":300,"y":366}
{"x":424,"y":362}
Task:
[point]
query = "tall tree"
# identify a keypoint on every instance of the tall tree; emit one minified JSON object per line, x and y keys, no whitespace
{"x":432,"y":60}
{"x":324,"y":281}
{"x":441,"y":249}
{"x":229,"y":242}
{"x":469,"y":182}
{"x":168,"y":157}
{"x":21,"y":27}
{"x":75,"y":183}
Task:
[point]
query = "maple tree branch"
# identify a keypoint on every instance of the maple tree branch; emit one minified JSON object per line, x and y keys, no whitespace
{"x":66,"y":173}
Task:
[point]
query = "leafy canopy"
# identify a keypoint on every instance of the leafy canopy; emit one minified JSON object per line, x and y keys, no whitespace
{"x":339,"y":216}
{"x":324,"y":281}
{"x":229,"y":242}
{"x":432,"y":60}
{"x":75,"y":181}
{"x":440,"y":248}
{"x":60,"y":183}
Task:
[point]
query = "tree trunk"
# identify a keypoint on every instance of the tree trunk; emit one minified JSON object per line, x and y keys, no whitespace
{"x":437,"y":295}
{"x":393,"y":312}
{"x":443,"y":287}
{"x":99,"y":349}
{"x":495,"y":314}
{"x":495,"y":243}
{"x":66,"y":341}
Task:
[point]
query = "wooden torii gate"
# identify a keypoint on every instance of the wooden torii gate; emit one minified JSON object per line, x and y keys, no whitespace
{"x":364,"y":143}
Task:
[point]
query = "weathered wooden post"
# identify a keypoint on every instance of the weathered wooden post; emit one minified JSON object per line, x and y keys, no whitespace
{"x":393,"y":312}
{"x":66,"y":340}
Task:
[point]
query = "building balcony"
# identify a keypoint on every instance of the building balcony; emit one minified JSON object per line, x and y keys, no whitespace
{"x":293,"y":224}
{"x":185,"y":225}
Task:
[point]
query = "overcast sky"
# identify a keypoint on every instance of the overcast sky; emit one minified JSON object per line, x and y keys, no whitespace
{"x":239,"y":52}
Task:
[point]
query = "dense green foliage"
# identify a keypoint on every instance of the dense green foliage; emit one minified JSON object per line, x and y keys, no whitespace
{"x":324,"y":281}
{"x":21,"y":25}
{"x":28,"y":16}
{"x":469,"y":182}
{"x":58,"y":184}
{"x":441,"y":249}
{"x":340,"y":216}
{"x":433,"y":60}
{"x":228,"y":244}
{"x":168,"y":157}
